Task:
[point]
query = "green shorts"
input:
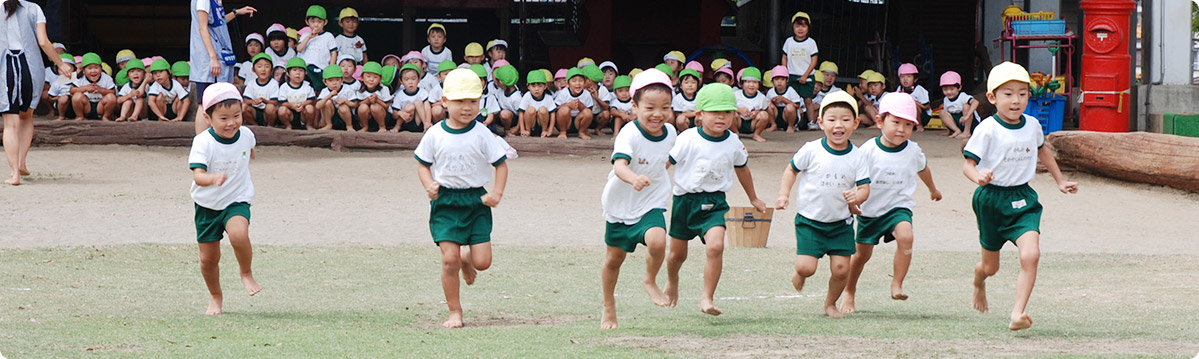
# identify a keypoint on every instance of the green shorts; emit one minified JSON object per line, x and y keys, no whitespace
{"x":628,"y":236}
{"x":412,"y":126}
{"x":1005,"y":213}
{"x":816,"y":238}
{"x":210,"y":223}
{"x":805,"y":90}
{"x":924,"y":118}
{"x":870,"y":229}
{"x":459,"y":216}
{"x":957,"y":118}
{"x":693,"y":214}
{"x":747,"y":126}
{"x":260,"y":116}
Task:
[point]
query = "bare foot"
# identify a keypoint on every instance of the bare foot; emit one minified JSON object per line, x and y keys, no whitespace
{"x":119,"y":119}
{"x":655,"y":294}
{"x":23,"y":172}
{"x":1023,"y":321}
{"x":584,"y":136}
{"x":214,"y":305}
{"x":832,"y":312}
{"x":454,"y":321}
{"x":797,"y":282}
{"x":60,"y":118}
{"x":790,"y":129}
{"x":469,"y":274}
{"x":759,"y":138}
{"x":361,"y":129}
{"x":562,"y":135}
{"x":672,"y":295}
{"x":251,"y":285}
{"x":608,"y":320}
{"x":980,"y":297}
{"x":708,"y":308}
{"x":847,"y":305}
{"x":14,"y":181}
{"x":897,"y":293}
{"x":79,"y":119}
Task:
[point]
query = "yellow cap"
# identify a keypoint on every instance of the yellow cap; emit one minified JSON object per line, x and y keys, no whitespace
{"x":875,"y":77}
{"x":675,"y":55}
{"x":866,"y":74}
{"x":1004,"y":72}
{"x":839,"y":96}
{"x":584,"y":62}
{"x":634,"y":72}
{"x":107,"y":69}
{"x":462,"y":84}
{"x":828,"y":66}
{"x":434,"y":26}
{"x":799,"y":15}
{"x":347,"y":12}
{"x":125,"y":55}
{"x":718,"y":63}
{"x":819,"y":76}
{"x":473,"y":49}
{"x":293,"y":34}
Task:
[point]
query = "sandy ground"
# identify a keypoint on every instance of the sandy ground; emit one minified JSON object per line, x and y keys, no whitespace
{"x":97,"y":195}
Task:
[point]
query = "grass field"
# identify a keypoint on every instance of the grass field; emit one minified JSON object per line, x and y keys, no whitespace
{"x":354,"y":301}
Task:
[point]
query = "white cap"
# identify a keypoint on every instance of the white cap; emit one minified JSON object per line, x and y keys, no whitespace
{"x":606,"y":64}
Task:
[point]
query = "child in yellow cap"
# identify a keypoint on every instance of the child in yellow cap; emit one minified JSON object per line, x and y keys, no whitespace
{"x":453,"y":159}
{"x":348,"y":41}
{"x":799,"y":56}
{"x":708,"y":160}
{"x":1001,"y":157}
{"x":473,"y":54}
{"x":435,"y":52}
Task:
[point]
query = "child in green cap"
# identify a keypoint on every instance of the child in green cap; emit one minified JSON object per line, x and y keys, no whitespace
{"x":574,"y":105}
{"x":508,"y":97}
{"x":536,"y":107}
{"x":373,"y":98}
{"x":93,"y":93}
{"x":131,"y":97}
{"x":259,"y":93}
{"x":296,"y":98}
{"x":753,"y":107}
{"x":335,"y":101}
{"x":436,"y":108}
{"x":59,"y":94}
{"x":181,"y":71}
{"x":318,"y":48}
{"x":594,"y":76}
{"x":621,"y":108}
{"x":168,"y":99}
{"x":410,"y":105}
{"x":707,"y":160}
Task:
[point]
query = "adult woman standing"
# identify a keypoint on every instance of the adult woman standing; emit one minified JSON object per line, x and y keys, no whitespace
{"x":212,"y":58}
{"x":24,"y":29}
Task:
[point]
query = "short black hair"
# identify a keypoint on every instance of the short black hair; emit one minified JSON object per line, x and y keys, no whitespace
{"x":436,"y":29}
{"x":277,"y":35}
{"x":801,"y":21}
{"x":227,"y":103}
{"x":656,"y":87}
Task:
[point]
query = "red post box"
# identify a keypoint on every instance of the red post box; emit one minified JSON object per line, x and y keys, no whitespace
{"x":1106,"y":76}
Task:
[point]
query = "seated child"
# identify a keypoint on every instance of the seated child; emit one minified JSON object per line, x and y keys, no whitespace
{"x":907,"y":84}
{"x":956,"y":105}
{"x":245,"y":70}
{"x":610,"y":73}
{"x":167,"y":98}
{"x":875,"y":83}
{"x":259,"y":93}
{"x":181,"y":71}
{"x":373,"y":98}
{"x":473,"y":54}
{"x":410,"y":105}
{"x":621,"y":108}
{"x":335,"y":102}
{"x":496,"y":50}
{"x":59,"y":93}
{"x":508,"y":96}
{"x":787,"y":103}
{"x":132,"y":96}
{"x":93,"y":93}
{"x":724,"y":75}
{"x":536,"y":107}
{"x":593,"y":76}
{"x":752,"y":106}
{"x":574,"y":106}
{"x":559,"y":82}
{"x":296,"y":98}
{"x":276,"y":37}
{"x":683,"y":102}
{"x":348,"y":67}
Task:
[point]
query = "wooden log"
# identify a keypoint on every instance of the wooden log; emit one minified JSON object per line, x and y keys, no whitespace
{"x":1153,"y":158}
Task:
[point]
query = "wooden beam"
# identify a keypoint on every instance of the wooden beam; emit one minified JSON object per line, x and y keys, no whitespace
{"x":1142,"y":157}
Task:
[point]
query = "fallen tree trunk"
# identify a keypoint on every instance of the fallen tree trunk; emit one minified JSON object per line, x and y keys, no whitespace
{"x":1166,"y":160}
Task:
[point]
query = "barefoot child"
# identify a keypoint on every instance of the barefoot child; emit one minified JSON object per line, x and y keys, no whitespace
{"x":259,"y":93}
{"x":621,"y":108}
{"x":297,"y":100}
{"x":959,"y":106}
{"x":683,"y":103}
{"x":168,"y":99}
{"x":222,"y":189}
{"x":708,"y":158}
{"x":507,"y":96}
{"x":638,"y":189}
{"x":60,"y":90}
{"x":786,"y":101}
{"x":907,"y":84}
{"x":410,"y":105}
{"x":895,"y":164}
{"x":999,"y":158}
{"x":453,"y":159}
{"x":334,"y":102}
{"x":836,"y":179}
{"x":800,"y":56}
{"x":93,"y":92}
{"x":132,"y":96}
{"x":574,"y":105}
{"x":537,"y":107}
{"x":752,"y":105}
{"x":372,"y":98}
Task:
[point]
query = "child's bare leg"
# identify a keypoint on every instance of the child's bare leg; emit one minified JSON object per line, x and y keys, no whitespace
{"x":346,"y":115}
{"x":856,"y":263}
{"x":379,"y":113}
{"x":270,"y":114}
{"x":678,"y":255}
{"x":423,"y":112}
{"x":308,"y":116}
{"x":364,"y":116}
{"x":680,"y":123}
{"x":947,"y":120}
{"x":125,"y":108}
{"x":451,"y":263}
{"x":601,"y":122}
{"x":985,"y":268}
{"x":80,"y":103}
{"x":839,"y":268}
{"x":437,"y":112}
{"x":807,"y":102}
{"x":475,"y":258}
{"x":805,"y":266}
{"x":903,"y":258}
{"x":210,"y":259}
{"x":760,"y":122}
{"x":790,"y":114}
{"x":583,"y":123}
{"x":617,"y":122}
{"x":507,"y":120}
{"x":655,"y":243}
{"x":1030,"y":255}
{"x":714,"y":248}
{"x":609,"y":273}
{"x":107,"y":104}
{"x":546,"y":120}
{"x":563,"y":122}
{"x":238,"y":229}
{"x":326,"y":115}
{"x":284,"y":116}
{"x":63,"y":102}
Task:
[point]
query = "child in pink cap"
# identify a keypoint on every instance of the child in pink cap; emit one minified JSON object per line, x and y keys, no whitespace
{"x":724,"y":75}
{"x":559,"y":82}
{"x":787,"y":103}
{"x":896,"y":162}
{"x":907,"y":84}
{"x":958,"y":112}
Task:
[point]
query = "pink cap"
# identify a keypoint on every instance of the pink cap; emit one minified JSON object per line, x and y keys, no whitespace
{"x":218,"y":92}
{"x":498,"y":63}
{"x":649,"y":77}
{"x":779,"y":71}
{"x":695,"y":65}
{"x":304,"y":31}
{"x":358,"y":72}
{"x":900,"y":105}
{"x":739,"y":72}
{"x":908,"y":69}
{"x":560,"y":74}
{"x":725,"y":70}
{"x":147,"y":61}
{"x":79,"y":59}
{"x":385,"y":57}
{"x":950,"y":78}
{"x":275,"y":27}
{"x":412,"y":55}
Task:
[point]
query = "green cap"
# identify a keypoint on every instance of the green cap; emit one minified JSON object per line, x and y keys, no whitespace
{"x":412,"y":67}
{"x":316,"y":11}
{"x":389,"y":75}
{"x":621,"y":81}
{"x":122,"y":77}
{"x":262,"y":56}
{"x":446,"y":66}
{"x":535,"y":77}
{"x":716,"y":97}
{"x":689,"y":72}
{"x":332,"y":72}
{"x":67,"y":56}
{"x":665,"y":68}
{"x":371,"y":67}
{"x":574,"y":71}
{"x":507,"y":75}
{"x":181,"y":68}
{"x":130,"y":65}
{"x":479,"y":70}
{"x":159,"y":65}
{"x":296,"y":62}
{"x":90,"y":59}
{"x":593,"y":72}
{"x":751,"y":73}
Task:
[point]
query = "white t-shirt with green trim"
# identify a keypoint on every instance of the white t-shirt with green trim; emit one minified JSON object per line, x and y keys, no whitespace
{"x":756,"y":102}
{"x":825,"y":174}
{"x":176,"y":91}
{"x":319,"y":51}
{"x":799,"y":54}
{"x":104,"y":82}
{"x":255,"y":90}
{"x":530,"y":103}
{"x":626,"y":106}
{"x":705,"y":163}
{"x":1008,"y":150}
{"x":790,"y":94}
{"x":295,"y":95}
{"x":567,"y":96}
{"x":681,"y":103}
{"x":460,"y":158}
{"x":648,"y":155}
{"x":230,"y":156}
{"x":892,"y":175}
{"x":382,"y":92}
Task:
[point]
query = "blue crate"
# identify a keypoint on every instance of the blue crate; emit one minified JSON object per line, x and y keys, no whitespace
{"x":1049,"y":111}
{"x":1038,"y":27}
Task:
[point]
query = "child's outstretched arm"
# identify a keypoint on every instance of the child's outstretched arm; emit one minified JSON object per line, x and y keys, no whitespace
{"x":205,"y":179}
{"x":926,"y":175}
{"x":426,"y":180}
{"x":747,"y":182}
{"x":784,"y":199}
{"x":492,"y":199}
{"x":1063,"y":185}
{"x":621,"y":167}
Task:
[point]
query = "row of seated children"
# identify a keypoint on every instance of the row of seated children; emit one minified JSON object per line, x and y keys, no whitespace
{"x":149,"y":88}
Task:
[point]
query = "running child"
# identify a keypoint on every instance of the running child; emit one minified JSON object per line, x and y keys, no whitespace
{"x":453,"y":159}
{"x":960,"y":107}
{"x":259,"y":93}
{"x":1000,"y":159}
{"x":93,"y":92}
{"x":132,"y":96}
{"x":410,"y":105}
{"x":683,"y":102}
{"x":836,"y":180}
{"x":167,"y":98}
{"x":787,"y":103}
{"x":895,"y":163}
{"x":708,"y":159}
{"x":752,"y":106}
{"x":638,"y":189}
{"x":574,"y":106}
{"x":297,"y":100}
{"x":907,"y":84}
{"x":800,"y":56}
{"x":372,"y":98}
{"x":537,"y":107}
{"x":222,"y":189}
{"x":335,"y":102}
{"x":621,"y":108}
